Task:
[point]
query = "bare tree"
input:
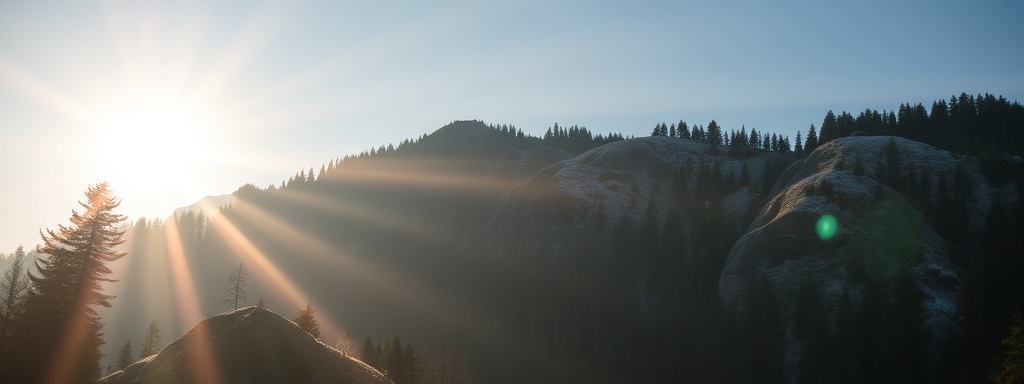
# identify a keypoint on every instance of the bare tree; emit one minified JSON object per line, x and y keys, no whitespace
{"x":447,"y":364}
{"x":234,"y":292}
{"x":346,"y":345}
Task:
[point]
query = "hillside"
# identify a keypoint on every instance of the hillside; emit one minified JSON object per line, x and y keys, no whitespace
{"x":248,"y":345}
{"x":627,"y":261}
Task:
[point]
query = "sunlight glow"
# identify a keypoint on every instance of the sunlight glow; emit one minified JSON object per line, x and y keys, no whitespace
{"x":204,"y":365}
{"x":149,"y":142}
{"x":258,"y":262}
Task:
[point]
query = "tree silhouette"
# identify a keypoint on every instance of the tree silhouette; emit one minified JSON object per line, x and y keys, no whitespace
{"x":151,"y":343}
{"x":306,"y":320}
{"x":1013,"y":358}
{"x":368,"y":353}
{"x":58,"y":308}
{"x":235,"y":289}
{"x":714,"y":133}
{"x":124,"y":358}
{"x":12,"y":298}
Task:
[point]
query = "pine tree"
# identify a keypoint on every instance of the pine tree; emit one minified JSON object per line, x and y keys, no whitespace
{"x":12,"y":298}
{"x":369,"y":354}
{"x":306,"y":320}
{"x":714,"y":134}
{"x":812,"y":140}
{"x":411,"y":364}
{"x":234,"y":292}
{"x":684,"y":131}
{"x":151,"y":343}
{"x":1013,"y":358}
{"x":798,"y":145}
{"x":58,"y":308}
{"x":393,"y":361}
{"x":124,"y":359}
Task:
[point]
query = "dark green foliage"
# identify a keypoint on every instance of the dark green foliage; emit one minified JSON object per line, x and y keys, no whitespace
{"x":1013,"y":358}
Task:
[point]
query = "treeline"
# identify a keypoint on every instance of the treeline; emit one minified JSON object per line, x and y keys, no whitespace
{"x":740,"y":143}
{"x":573,"y":140}
{"x":965,"y":124}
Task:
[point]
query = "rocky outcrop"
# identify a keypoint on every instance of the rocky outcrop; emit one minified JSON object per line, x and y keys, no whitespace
{"x":881,"y":234}
{"x":248,"y":345}
{"x":558,"y":211}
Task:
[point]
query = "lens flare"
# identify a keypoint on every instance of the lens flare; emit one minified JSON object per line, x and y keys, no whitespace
{"x":827,"y":227}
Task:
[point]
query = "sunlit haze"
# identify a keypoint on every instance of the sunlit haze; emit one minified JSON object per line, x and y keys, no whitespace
{"x":174,"y":101}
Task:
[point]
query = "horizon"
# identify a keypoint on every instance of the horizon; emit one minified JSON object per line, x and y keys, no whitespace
{"x":236,"y":93}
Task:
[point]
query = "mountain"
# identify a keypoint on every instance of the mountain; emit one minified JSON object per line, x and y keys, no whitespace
{"x":248,"y":345}
{"x":208,"y":205}
{"x":578,"y":258}
{"x":886,"y":231}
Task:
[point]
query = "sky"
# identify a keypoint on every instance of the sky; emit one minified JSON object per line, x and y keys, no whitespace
{"x":174,"y":101}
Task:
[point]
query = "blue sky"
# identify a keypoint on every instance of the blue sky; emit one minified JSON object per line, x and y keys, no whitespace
{"x":273,"y":87}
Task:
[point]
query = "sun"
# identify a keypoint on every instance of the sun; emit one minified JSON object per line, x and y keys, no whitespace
{"x":150,"y":144}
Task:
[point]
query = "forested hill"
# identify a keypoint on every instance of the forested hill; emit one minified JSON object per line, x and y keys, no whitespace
{"x":580,"y":257}
{"x":966,"y":124}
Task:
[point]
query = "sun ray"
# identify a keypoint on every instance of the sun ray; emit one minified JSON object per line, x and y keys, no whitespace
{"x":446,"y":310}
{"x":257,"y":31}
{"x":363,"y":214}
{"x":204,"y":365}
{"x":22,"y":80}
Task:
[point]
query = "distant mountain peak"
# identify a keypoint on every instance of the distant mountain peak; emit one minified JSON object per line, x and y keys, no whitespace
{"x":208,"y":205}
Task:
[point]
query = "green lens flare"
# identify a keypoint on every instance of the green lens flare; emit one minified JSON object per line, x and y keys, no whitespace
{"x":827,"y":227}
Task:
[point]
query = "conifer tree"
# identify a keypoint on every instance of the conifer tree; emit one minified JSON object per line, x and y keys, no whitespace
{"x":369,"y":354}
{"x":393,"y":361}
{"x":59,"y":328}
{"x":812,"y":140}
{"x":1013,"y":358}
{"x":234,"y":292}
{"x":12,"y":298}
{"x":714,"y":133}
{"x":684,"y":131}
{"x":124,"y":358}
{"x":411,"y":364}
{"x":151,"y":342}
{"x":306,"y":320}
